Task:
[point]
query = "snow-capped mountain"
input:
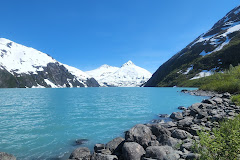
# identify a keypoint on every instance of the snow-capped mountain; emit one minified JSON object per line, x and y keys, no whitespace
{"x":211,"y":52}
{"x":26,"y":67}
{"x":128,"y":75}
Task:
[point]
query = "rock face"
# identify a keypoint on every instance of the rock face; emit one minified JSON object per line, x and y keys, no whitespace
{"x":24,"y":67}
{"x":6,"y":156}
{"x":171,"y":140}
{"x":211,"y":52}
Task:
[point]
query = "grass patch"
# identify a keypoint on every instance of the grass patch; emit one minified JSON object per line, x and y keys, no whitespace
{"x":236,"y":99}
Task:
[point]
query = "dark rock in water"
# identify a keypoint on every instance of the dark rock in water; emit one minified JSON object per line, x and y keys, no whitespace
{"x":99,"y":156}
{"x":163,"y":115}
{"x":182,"y":108}
{"x":98,"y":147}
{"x":80,"y":141}
{"x":176,"y":116}
{"x":140,"y":134}
{"x":115,"y":145}
{"x":161,"y":153}
{"x":6,"y":156}
{"x":132,"y":151}
{"x":81,"y":153}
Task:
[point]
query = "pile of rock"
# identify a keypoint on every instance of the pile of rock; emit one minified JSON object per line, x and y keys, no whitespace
{"x":165,"y":141}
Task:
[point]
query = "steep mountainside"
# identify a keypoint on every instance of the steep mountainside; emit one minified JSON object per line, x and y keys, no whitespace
{"x":211,"y":52}
{"x":129,"y":75}
{"x":24,"y":67}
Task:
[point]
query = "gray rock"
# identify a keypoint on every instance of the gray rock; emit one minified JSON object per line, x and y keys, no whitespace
{"x":217,"y":100}
{"x":99,"y":156}
{"x":81,"y":153}
{"x":6,"y":156}
{"x":182,"y":108}
{"x":163,"y":115}
{"x":132,"y":151}
{"x":209,"y":101}
{"x":194,"y":129}
{"x":226,"y":95}
{"x":192,"y":156}
{"x":187,"y":146}
{"x":186,"y":122}
{"x":176,"y":116}
{"x":98,"y":147}
{"x":173,"y":142}
{"x":154,"y":143}
{"x":161,"y":153}
{"x":180,"y":134}
{"x":140,"y":134}
{"x":158,"y":130}
{"x":115,"y":144}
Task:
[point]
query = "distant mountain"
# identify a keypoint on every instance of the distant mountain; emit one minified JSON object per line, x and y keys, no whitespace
{"x":129,"y":75}
{"x":25,"y":67}
{"x":211,"y":52}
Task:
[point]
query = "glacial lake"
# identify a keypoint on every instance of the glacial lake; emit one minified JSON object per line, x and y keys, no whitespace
{"x":44,"y":123}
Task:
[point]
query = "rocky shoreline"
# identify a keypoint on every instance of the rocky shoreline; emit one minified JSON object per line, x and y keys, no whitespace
{"x":171,"y":140}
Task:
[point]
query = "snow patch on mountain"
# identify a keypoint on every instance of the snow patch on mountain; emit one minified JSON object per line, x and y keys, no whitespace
{"x":128,"y":75}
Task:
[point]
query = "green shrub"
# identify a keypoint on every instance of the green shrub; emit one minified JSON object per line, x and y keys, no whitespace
{"x":221,"y":143}
{"x":236,"y":99}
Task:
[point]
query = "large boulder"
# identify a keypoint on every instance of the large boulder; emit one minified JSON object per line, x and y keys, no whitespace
{"x":140,"y":134}
{"x":81,"y":153}
{"x":186,"y":122}
{"x":161,"y":153}
{"x":132,"y":151}
{"x":115,"y":145}
{"x":158,"y":130}
{"x":180,"y":134}
{"x":6,"y":156}
{"x":99,"y":156}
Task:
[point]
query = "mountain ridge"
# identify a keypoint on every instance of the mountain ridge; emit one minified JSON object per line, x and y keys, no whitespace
{"x":211,"y":52}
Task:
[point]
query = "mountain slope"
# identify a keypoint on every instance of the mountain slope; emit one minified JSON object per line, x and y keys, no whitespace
{"x":24,"y":67}
{"x":129,"y":75}
{"x":211,"y":52}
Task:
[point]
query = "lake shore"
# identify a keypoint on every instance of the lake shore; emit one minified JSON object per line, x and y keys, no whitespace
{"x":163,"y":140}
{"x":170,"y":140}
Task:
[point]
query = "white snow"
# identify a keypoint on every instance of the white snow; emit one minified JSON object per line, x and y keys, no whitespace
{"x":129,"y":75}
{"x":204,"y":73}
{"x":21,"y":59}
{"x":102,"y":72}
{"x":188,"y":70}
{"x":50,"y":83}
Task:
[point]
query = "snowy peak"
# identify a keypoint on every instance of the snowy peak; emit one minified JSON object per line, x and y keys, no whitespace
{"x":22,"y":66}
{"x":129,"y":75}
{"x":129,"y":63}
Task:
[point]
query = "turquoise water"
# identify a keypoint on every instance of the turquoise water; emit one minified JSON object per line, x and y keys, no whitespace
{"x":44,"y":123}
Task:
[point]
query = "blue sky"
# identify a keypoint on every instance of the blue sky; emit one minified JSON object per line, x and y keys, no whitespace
{"x":88,"y":33}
